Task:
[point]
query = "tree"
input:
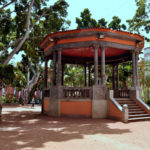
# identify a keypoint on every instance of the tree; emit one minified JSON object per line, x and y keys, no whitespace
{"x":73,"y":75}
{"x":24,"y":24}
{"x":125,"y":71}
{"x":6,"y":74}
{"x":5,"y":3}
{"x":116,"y":24}
{"x":86,"y":21}
{"x":34,"y":19}
{"x":141,"y":20}
{"x":102,"y":23}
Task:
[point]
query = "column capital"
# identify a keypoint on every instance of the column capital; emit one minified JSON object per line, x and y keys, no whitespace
{"x":59,"y":49}
{"x":132,"y":51}
{"x":95,"y":46}
{"x":102,"y":46}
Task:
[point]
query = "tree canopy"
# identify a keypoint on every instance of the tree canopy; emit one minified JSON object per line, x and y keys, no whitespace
{"x":86,"y":21}
{"x":140,"y":22}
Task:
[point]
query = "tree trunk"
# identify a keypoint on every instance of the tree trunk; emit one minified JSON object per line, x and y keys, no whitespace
{"x":0,"y":102}
{"x":30,"y":84}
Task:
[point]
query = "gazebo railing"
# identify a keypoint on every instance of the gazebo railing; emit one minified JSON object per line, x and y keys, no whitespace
{"x":121,"y":93}
{"x":77,"y":92}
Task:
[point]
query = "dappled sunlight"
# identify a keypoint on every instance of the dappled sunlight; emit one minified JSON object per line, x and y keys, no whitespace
{"x":31,"y":130}
{"x":9,"y":128}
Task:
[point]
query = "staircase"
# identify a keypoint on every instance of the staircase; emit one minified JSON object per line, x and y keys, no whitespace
{"x":134,"y":110}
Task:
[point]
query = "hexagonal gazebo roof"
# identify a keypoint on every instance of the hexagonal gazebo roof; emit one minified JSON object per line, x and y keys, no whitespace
{"x":77,"y":45}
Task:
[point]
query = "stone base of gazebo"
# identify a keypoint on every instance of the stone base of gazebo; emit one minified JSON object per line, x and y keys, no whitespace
{"x":76,"y":102}
{"x":76,"y":108}
{"x":92,"y":102}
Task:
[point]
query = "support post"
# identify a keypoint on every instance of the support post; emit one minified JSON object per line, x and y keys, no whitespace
{"x":133,"y":70}
{"x":113,"y":77}
{"x":89,"y":68}
{"x":59,"y":71}
{"x":45,"y":73}
{"x":136,"y":68}
{"x":62,"y":80}
{"x":96,"y":64}
{"x":85,"y":83}
{"x":117,"y":77}
{"x":54,"y":68}
{"x":103,"y":65}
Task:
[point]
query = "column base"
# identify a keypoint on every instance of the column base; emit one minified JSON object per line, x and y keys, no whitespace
{"x":135,"y":92}
{"x":99,"y":92}
{"x":100,"y":109}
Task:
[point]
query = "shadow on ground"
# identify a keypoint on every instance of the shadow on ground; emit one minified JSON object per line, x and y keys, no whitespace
{"x":30,"y":129}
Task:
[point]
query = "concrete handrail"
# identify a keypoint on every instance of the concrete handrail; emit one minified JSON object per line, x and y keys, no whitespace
{"x":116,"y":104}
{"x":143,"y":104}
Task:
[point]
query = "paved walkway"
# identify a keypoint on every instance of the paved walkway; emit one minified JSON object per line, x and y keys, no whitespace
{"x":23,"y":128}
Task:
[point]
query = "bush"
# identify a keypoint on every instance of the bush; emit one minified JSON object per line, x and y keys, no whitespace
{"x":9,"y":97}
{"x":20,"y":100}
{"x":147,"y":101}
{"x":13,"y":101}
{"x":3,"y":99}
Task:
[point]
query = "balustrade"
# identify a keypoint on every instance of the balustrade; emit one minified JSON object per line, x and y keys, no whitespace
{"x":121,"y":93}
{"x":76,"y":92}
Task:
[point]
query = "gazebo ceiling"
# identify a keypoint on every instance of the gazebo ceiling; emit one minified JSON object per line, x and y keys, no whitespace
{"x":88,"y":52}
{"x":78,"y":44}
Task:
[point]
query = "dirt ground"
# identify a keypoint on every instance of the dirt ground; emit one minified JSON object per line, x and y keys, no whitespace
{"x":23,"y":128}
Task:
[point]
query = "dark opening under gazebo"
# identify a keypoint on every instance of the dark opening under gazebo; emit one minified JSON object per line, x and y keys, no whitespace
{"x":91,"y":47}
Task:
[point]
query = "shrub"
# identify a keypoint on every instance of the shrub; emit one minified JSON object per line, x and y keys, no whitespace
{"x":3,"y":99}
{"x":147,"y":101}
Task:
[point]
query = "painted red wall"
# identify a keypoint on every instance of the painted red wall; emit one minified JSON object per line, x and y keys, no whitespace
{"x":79,"y":108}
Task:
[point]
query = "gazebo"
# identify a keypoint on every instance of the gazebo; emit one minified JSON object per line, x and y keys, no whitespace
{"x":90,"y":47}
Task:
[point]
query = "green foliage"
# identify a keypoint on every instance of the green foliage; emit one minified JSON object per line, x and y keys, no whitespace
{"x":102,"y":23}
{"x":7,"y":73}
{"x":73,"y":76}
{"x":86,"y":21}
{"x":8,"y":97}
{"x":141,"y":22}
{"x":20,"y":100}
{"x":116,"y":24}
{"x":147,"y":101}
{"x":125,"y":72}
{"x":44,"y":19}
{"x":20,"y":80}
{"x":3,"y":99}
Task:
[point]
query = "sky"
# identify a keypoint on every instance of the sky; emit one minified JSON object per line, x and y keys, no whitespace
{"x":124,"y":9}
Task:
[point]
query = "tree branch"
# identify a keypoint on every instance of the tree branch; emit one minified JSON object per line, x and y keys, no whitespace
{"x":30,"y":66}
{"x":43,"y":15}
{"x":11,"y":44}
{"x":7,"y":4}
{"x":24,"y":37}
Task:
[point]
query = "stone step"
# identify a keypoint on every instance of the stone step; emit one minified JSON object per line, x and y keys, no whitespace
{"x":137,"y":112}
{"x":138,"y":115}
{"x":134,"y":107}
{"x":130,"y":105}
{"x":122,"y":99}
{"x":138,"y":118}
{"x":137,"y":109}
{"x":127,"y":103}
